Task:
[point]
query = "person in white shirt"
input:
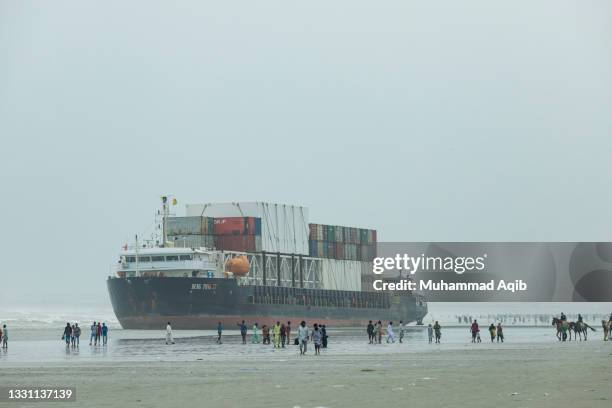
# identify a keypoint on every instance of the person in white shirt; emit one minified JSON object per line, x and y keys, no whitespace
{"x":390,"y":335}
{"x":303,"y":336}
{"x":169,"y":338}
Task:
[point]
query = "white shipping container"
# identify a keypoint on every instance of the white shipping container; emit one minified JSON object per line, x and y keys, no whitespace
{"x":284,"y":228}
{"x":341,"y":275}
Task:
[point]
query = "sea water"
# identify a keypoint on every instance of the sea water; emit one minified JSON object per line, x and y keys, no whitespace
{"x":35,"y":336}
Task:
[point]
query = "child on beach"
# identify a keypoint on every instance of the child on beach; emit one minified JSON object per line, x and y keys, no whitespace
{"x":430,"y":333}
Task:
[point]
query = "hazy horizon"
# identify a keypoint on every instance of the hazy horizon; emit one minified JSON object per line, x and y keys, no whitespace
{"x":427,"y":121}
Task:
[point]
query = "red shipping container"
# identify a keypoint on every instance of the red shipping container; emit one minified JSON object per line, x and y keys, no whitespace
{"x":240,"y":243}
{"x":229,"y":226}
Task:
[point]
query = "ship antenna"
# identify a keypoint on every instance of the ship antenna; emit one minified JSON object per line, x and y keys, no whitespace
{"x":137,"y":269}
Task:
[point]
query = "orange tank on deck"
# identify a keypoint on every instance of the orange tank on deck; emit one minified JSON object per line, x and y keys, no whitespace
{"x":239,"y":266}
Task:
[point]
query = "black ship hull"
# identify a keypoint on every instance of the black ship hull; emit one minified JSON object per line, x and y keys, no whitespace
{"x":200,"y":303}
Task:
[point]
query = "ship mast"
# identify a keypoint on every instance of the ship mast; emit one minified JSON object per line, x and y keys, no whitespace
{"x":165,"y":213}
{"x":137,"y":245}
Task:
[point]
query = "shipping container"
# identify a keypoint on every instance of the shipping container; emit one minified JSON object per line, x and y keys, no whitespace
{"x":339,"y":251}
{"x":339,"y":234}
{"x":188,"y":225}
{"x":192,"y":241}
{"x":284,"y":228}
{"x":237,"y":226}
{"x":239,"y":243}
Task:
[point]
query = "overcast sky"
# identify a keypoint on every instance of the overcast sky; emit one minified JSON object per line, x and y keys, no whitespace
{"x":441,"y":120}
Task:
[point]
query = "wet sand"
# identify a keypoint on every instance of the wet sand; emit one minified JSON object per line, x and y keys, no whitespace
{"x":539,"y":375}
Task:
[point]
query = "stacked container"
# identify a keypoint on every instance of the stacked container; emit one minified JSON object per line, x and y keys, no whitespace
{"x":190,"y":232}
{"x":284,"y":228}
{"x":337,"y":242}
{"x":241,"y":234}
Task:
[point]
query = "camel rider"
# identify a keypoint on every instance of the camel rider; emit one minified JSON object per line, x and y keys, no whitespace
{"x":579,"y":318}
{"x":563,"y":317}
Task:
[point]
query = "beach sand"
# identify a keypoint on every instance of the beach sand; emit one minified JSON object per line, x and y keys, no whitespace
{"x":543,"y":375}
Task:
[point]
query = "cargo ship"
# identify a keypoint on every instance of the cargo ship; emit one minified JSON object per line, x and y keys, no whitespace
{"x":258,"y":262}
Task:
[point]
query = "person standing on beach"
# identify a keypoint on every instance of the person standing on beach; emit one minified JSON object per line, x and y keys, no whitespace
{"x":390,"y":334}
{"x":379,"y":331}
{"x":77,"y":334}
{"x":72,"y":336}
{"x":303,"y":337}
{"x":370,"y":331}
{"x":474,"y":329}
{"x":283,"y":333}
{"x":92,"y":337}
{"x":430,"y":333}
{"x":104,"y":334}
{"x":288,"y":331}
{"x":4,"y":336}
{"x":323,"y":337}
{"x":67,"y":334}
{"x":316,"y":339}
{"x":276,"y":329}
{"x":500,"y":333}
{"x":169,"y":338}
{"x":243,"y":331}
{"x":219,"y":332}
{"x":1,"y":338}
{"x":265,"y":330}
{"x":438,"y":331}
{"x":255,"y":336}
{"x":98,"y":333}
{"x":492,"y":332}
{"x":401,"y":331}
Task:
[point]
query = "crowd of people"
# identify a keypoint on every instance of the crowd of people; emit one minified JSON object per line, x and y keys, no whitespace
{"x":496,"y":332}
{"x":98,"y":334}
{"x":278,"y":335}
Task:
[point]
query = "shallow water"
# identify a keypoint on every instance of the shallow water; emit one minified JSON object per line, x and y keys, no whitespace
{"x":43,"y":346}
